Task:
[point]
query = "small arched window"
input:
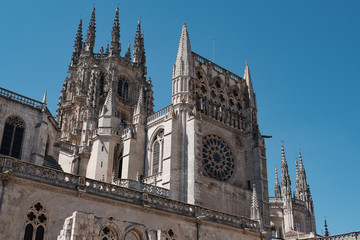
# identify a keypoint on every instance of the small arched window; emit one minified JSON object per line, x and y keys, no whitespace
{"x":36,"y":222}
{"x":12,"y":137}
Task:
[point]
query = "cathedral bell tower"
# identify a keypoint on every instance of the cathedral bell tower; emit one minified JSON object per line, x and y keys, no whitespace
{"x":98,"y":106}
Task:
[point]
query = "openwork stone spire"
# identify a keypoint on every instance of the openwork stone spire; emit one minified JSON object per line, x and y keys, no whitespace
{"x":115,"y":36}
{"x":277,"y":188}
{"x":184,"y":65}
{"x":247,"y":78}
{"x":255,"y":209}
{"x":302,"y":188}
{"x":139,"y":49}
{"x":90,"y":36}
{"x":77,"y":45}
{"x":140,"y":104}
{"x":109,"y":107}
{"x":285,"y":178}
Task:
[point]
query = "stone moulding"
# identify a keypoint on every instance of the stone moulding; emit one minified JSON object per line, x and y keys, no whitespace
{"x":149,"y":196}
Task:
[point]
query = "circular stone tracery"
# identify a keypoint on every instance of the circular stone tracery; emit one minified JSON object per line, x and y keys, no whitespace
{"x":217,"y":159}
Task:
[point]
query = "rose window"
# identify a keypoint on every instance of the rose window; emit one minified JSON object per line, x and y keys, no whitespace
{"x":217,"y":159}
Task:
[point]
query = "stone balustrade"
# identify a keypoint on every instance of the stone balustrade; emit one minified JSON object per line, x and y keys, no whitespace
{"x":20,"y":98}
{"x":143,"y":195}
{"x":345,"y":236}
{"x":159,"y":114}
{"x":216,"y":67}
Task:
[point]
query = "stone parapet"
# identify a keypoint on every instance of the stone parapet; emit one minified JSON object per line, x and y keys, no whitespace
{"x":149,"y":196}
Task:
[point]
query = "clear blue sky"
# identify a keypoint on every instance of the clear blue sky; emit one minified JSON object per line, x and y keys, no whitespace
{"x":304,"y":58}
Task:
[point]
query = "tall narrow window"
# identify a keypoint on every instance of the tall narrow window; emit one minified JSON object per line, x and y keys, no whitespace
{"x":36,"y":222}
{"x":12,"y":137}
{"x":120,"y":166}
{"x":126,"y":90}
{"x":102,"y":83}
{"x":157,"y":153}
{"x":120,"y":87}
{"x":156,"y":158}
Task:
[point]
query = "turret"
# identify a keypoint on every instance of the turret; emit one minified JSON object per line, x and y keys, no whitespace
{"x":90,"y":36}
{"x":277,"y":188}
{"x":183,"y":69}
{"x":115,"y":36}
{"x":77,"y":46}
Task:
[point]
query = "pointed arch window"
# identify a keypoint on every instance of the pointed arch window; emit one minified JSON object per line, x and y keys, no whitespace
{"x":107,"y":233}
{"x":157,"y":153}
{"x":123,"y":88}
{"x":102,"y":83}
{"x":12,"y":137}
{"x":36,"y":222}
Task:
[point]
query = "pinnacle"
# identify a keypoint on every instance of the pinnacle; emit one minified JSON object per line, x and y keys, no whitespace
{"x":184,"y":62}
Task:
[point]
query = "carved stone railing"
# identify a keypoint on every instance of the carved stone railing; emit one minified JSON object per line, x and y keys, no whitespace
{"x":215,"y":66}
{"x":345,"y":236}
{"x":299,"y":202}
{"x":152,"y":178}
{"x":20,"y":98}
{"x":10,"y":167}
{"x":107,"y":131}
{"x":159,"y":114}
{"x":67,"y":147}
{"x":143,"y":187}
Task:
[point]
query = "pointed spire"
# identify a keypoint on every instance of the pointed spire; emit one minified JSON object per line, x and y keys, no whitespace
{"x":277,"y":187}
{"x":109,"y":107}
{"x":115,"y":36}
{"x":140,"y":104}
{"x":285,"y":178}
{"x":184,"y":64}
{"x":297,"y":182}
{"x":139,"y":49}
{"x":128,"y":53}
{"x":44,"y":101}
{"x":77,"y":45}
{"x":90,"y":36}
{"x":326,"y":230}
{"x":247,"y":78}
{"x":255,"y":209}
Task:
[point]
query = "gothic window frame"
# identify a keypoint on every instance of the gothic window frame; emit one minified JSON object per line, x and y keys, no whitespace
{"x":37,"y":217}
{"x":170,"y":234}
{"x":108,"y":232}
{"x":136,"y":232}
{"x":123,"y":87}
{"x":158,"y":140}
{"x":7,"y":145}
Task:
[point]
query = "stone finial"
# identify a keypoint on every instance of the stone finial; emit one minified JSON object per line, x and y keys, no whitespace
{"x":128,"y":53}
{"x":327,"y":233}
{"x":90,"y":36}
{"x":277,"y":188}
{"x":44,"y":101}
{"x":184,"y":64}
{"x":77,"y":45}
{"x":115,"y":47}
{"x":255,"y":209}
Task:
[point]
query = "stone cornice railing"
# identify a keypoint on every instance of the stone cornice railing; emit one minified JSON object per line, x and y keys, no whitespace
{"x":345,"y":236}
{"x":216,"y":67}
{"x":20,"y":98}
{"x":159,"y":113}
{"x":142,"y":198}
